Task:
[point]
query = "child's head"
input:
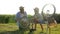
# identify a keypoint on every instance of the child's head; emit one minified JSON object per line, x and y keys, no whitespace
{"x":36,"y":10}
{"x":21,"y":8}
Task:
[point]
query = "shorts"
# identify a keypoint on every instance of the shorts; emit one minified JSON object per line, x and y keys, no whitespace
{"x":41,"y":21}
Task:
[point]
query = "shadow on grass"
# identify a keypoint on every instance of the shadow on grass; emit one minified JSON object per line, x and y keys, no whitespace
{"x":31,"y":33}
{"x":16,"y":32}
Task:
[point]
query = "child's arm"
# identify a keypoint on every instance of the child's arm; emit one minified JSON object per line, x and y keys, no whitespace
{"x":26,"y":15}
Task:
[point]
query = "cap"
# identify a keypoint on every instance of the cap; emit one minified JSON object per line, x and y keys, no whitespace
{"x":36,"y":8}
{"x":21,"y":7}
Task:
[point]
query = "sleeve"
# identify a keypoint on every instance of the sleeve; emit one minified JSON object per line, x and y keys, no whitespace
{"x":40,"y":17}
{"x":16,"y":16}
{"x":26,"y":15}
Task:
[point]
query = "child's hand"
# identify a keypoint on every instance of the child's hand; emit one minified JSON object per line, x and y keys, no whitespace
{"x":36,"y":19}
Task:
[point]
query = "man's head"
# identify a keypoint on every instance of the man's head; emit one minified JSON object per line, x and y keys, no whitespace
{"x":36,"y":10}
{"x":21,"y":8}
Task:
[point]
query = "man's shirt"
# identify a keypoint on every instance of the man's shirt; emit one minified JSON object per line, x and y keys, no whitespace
{"x":20,"y":16}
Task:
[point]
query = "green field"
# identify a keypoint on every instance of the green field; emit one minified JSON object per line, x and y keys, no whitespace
{"x":12,"y":28}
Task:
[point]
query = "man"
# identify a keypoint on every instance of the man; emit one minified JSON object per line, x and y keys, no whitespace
{"x":20,"y":16}
{"x":37,"y":19}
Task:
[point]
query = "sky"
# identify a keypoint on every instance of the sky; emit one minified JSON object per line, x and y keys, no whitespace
{"x":12,"y":6}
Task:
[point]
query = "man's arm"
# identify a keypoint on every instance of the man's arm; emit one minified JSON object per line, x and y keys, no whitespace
{"x":26,"y":15}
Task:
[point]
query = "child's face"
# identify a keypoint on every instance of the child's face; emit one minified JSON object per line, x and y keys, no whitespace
{"x":22,"y":10}
{"x":36,"y":11}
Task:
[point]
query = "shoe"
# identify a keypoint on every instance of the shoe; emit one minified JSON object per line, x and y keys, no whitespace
{"x":34,"y":29}
{"x":31,"y":30}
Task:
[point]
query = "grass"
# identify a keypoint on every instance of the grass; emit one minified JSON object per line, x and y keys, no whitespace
{"x":12,"y":28}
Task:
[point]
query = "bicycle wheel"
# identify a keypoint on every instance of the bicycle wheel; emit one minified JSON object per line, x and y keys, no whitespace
{"x":48,"y":10}
{"x":24,"y":23}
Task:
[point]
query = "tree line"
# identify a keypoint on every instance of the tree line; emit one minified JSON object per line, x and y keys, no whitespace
{"x":11,"y":18}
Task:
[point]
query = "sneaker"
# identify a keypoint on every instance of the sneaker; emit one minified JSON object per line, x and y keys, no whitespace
{"x":32,"y":30}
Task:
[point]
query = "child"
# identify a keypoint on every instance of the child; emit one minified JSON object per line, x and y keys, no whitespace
{"x":37,"y":19}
